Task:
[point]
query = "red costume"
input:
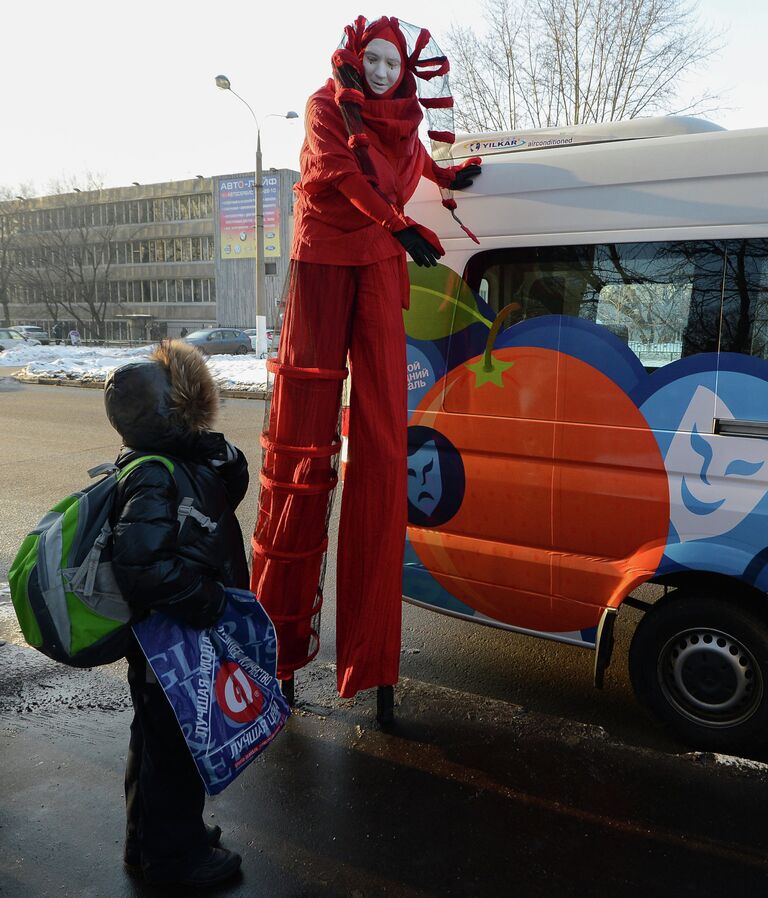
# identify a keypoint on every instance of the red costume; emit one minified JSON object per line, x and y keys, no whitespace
{"x":360,"y":164}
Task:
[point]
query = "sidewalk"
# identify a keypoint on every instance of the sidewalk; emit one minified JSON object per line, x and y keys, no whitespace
{"x":464,"y":797}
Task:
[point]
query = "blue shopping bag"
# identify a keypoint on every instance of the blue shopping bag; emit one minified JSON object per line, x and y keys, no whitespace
{"x":221,"y":684}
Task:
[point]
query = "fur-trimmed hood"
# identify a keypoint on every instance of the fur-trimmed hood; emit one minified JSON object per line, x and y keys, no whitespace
{"x":164,"y":402}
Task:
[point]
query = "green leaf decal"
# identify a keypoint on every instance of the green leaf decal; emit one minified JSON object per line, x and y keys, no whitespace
{"x":441,"y":304}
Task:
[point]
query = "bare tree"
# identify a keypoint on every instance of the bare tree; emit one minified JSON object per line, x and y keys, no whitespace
{"x":8,"y":241}
{"x":10,"y":224}
{"x":77,"y":263}
{"x":541,"y":63}
{"x":63,"y":184}
{"x":69,"y":265}
{"x":43,"y":288}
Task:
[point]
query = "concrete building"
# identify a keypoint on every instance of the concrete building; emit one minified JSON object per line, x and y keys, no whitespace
{"x":145,"y":261}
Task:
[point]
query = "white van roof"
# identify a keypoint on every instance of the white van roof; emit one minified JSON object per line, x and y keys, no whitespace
{"x":490,"y":143}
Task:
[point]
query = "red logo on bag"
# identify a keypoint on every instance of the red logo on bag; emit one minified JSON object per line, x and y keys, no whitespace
{"x":238,"y":696}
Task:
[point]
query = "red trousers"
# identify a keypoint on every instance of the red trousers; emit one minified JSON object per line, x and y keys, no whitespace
{"x":332,"y":312}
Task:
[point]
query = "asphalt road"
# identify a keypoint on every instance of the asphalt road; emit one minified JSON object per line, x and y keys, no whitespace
{"x":505,"y":773}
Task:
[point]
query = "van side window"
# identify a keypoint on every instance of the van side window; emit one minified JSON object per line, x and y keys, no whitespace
{"x":745,"y":298}
{"x":662,"y":298}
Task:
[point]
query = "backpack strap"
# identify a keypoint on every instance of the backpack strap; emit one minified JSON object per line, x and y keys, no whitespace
{"x":107,"y":468}
{"x":85,"y":575}
{"x":124,"y":472}
{"x":187,"y":510}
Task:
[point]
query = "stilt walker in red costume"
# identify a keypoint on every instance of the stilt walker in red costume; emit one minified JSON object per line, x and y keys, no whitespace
{"x":348,"y":284}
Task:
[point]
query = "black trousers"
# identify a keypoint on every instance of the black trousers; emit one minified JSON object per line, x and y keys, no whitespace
{"x":164,"y":795}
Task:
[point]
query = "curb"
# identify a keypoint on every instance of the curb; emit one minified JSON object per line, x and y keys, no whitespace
{"x":99,"y":385}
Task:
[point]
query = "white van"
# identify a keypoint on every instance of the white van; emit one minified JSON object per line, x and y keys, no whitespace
{"x":588,"y":407}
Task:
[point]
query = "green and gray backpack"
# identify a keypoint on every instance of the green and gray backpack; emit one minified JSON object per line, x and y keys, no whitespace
{"x":63,"y":588}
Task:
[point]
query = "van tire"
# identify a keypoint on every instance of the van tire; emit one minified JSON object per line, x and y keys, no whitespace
{"x":700,"y":664}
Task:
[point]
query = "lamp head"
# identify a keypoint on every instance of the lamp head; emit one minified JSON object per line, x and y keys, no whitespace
{"x":291,"y":114}
{"x":222,"y":82}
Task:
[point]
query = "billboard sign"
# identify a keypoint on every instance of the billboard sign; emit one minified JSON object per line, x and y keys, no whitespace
{"x":237,"y":217}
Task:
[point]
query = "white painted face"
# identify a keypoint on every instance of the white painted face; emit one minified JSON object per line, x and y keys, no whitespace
{"x":381,"y":65}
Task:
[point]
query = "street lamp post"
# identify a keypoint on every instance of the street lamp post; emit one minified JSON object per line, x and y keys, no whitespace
{"x":263,"y":311}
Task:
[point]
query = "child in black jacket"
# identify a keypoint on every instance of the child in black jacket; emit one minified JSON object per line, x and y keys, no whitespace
{"x":165,"y":406}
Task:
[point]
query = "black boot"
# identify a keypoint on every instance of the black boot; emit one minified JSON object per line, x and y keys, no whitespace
{"x":132,"y":856}
{"x":385,"y":705}
{"x":218,"y":865}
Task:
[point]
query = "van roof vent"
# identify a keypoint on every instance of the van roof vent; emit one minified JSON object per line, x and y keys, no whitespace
{"x":492,"y":142}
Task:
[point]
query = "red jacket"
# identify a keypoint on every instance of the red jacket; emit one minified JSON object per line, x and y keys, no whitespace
{"x":340,"y":218}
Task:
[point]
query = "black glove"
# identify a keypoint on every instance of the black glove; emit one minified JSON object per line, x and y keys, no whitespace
{"x":214,"y":448}
{"x":203,"y":614}
{"x":420,"y":250}
{"x":464,"y":177}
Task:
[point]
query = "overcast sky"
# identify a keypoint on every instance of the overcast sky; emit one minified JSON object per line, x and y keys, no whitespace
{"x":127,"y":89}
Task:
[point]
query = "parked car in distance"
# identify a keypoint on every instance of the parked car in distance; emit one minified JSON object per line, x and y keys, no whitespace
{"x":221,"y":341}
{"x":13,"y":339}
{"x":273,"y":339}
{"x":33,"y":331}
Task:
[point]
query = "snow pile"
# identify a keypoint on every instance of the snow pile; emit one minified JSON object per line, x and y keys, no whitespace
{"x":239,"y":372}
{"x":80,"y":363}
{"x":93,"y":363}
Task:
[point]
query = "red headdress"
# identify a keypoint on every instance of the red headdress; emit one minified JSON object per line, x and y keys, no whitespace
{"x":426,"y":68}
{"x":424,"y":75}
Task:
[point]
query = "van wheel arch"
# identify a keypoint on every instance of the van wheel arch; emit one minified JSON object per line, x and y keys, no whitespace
{"x":698,"y":661}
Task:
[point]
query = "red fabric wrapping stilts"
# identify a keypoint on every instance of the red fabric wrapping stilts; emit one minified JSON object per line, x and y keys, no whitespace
{"x":361,"y":312}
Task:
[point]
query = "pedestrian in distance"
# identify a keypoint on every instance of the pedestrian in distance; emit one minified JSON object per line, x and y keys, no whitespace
{"x":165,"y":407}
{"x":74,"y":337}
{"x":183,"y":333}
{"x":57,"y":332}
{"x":347,"y":286}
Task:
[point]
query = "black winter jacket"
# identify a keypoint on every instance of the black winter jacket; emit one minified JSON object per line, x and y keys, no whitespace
{"x":159,"y":564}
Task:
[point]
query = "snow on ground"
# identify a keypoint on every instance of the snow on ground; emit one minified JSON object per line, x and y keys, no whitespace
{"x":93,"y":363}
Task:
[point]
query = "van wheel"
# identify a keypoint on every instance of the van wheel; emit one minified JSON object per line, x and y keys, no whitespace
{"x":700,"y":664}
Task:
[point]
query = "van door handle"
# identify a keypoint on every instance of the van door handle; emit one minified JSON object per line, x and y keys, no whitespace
{"x":730,"y":427}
